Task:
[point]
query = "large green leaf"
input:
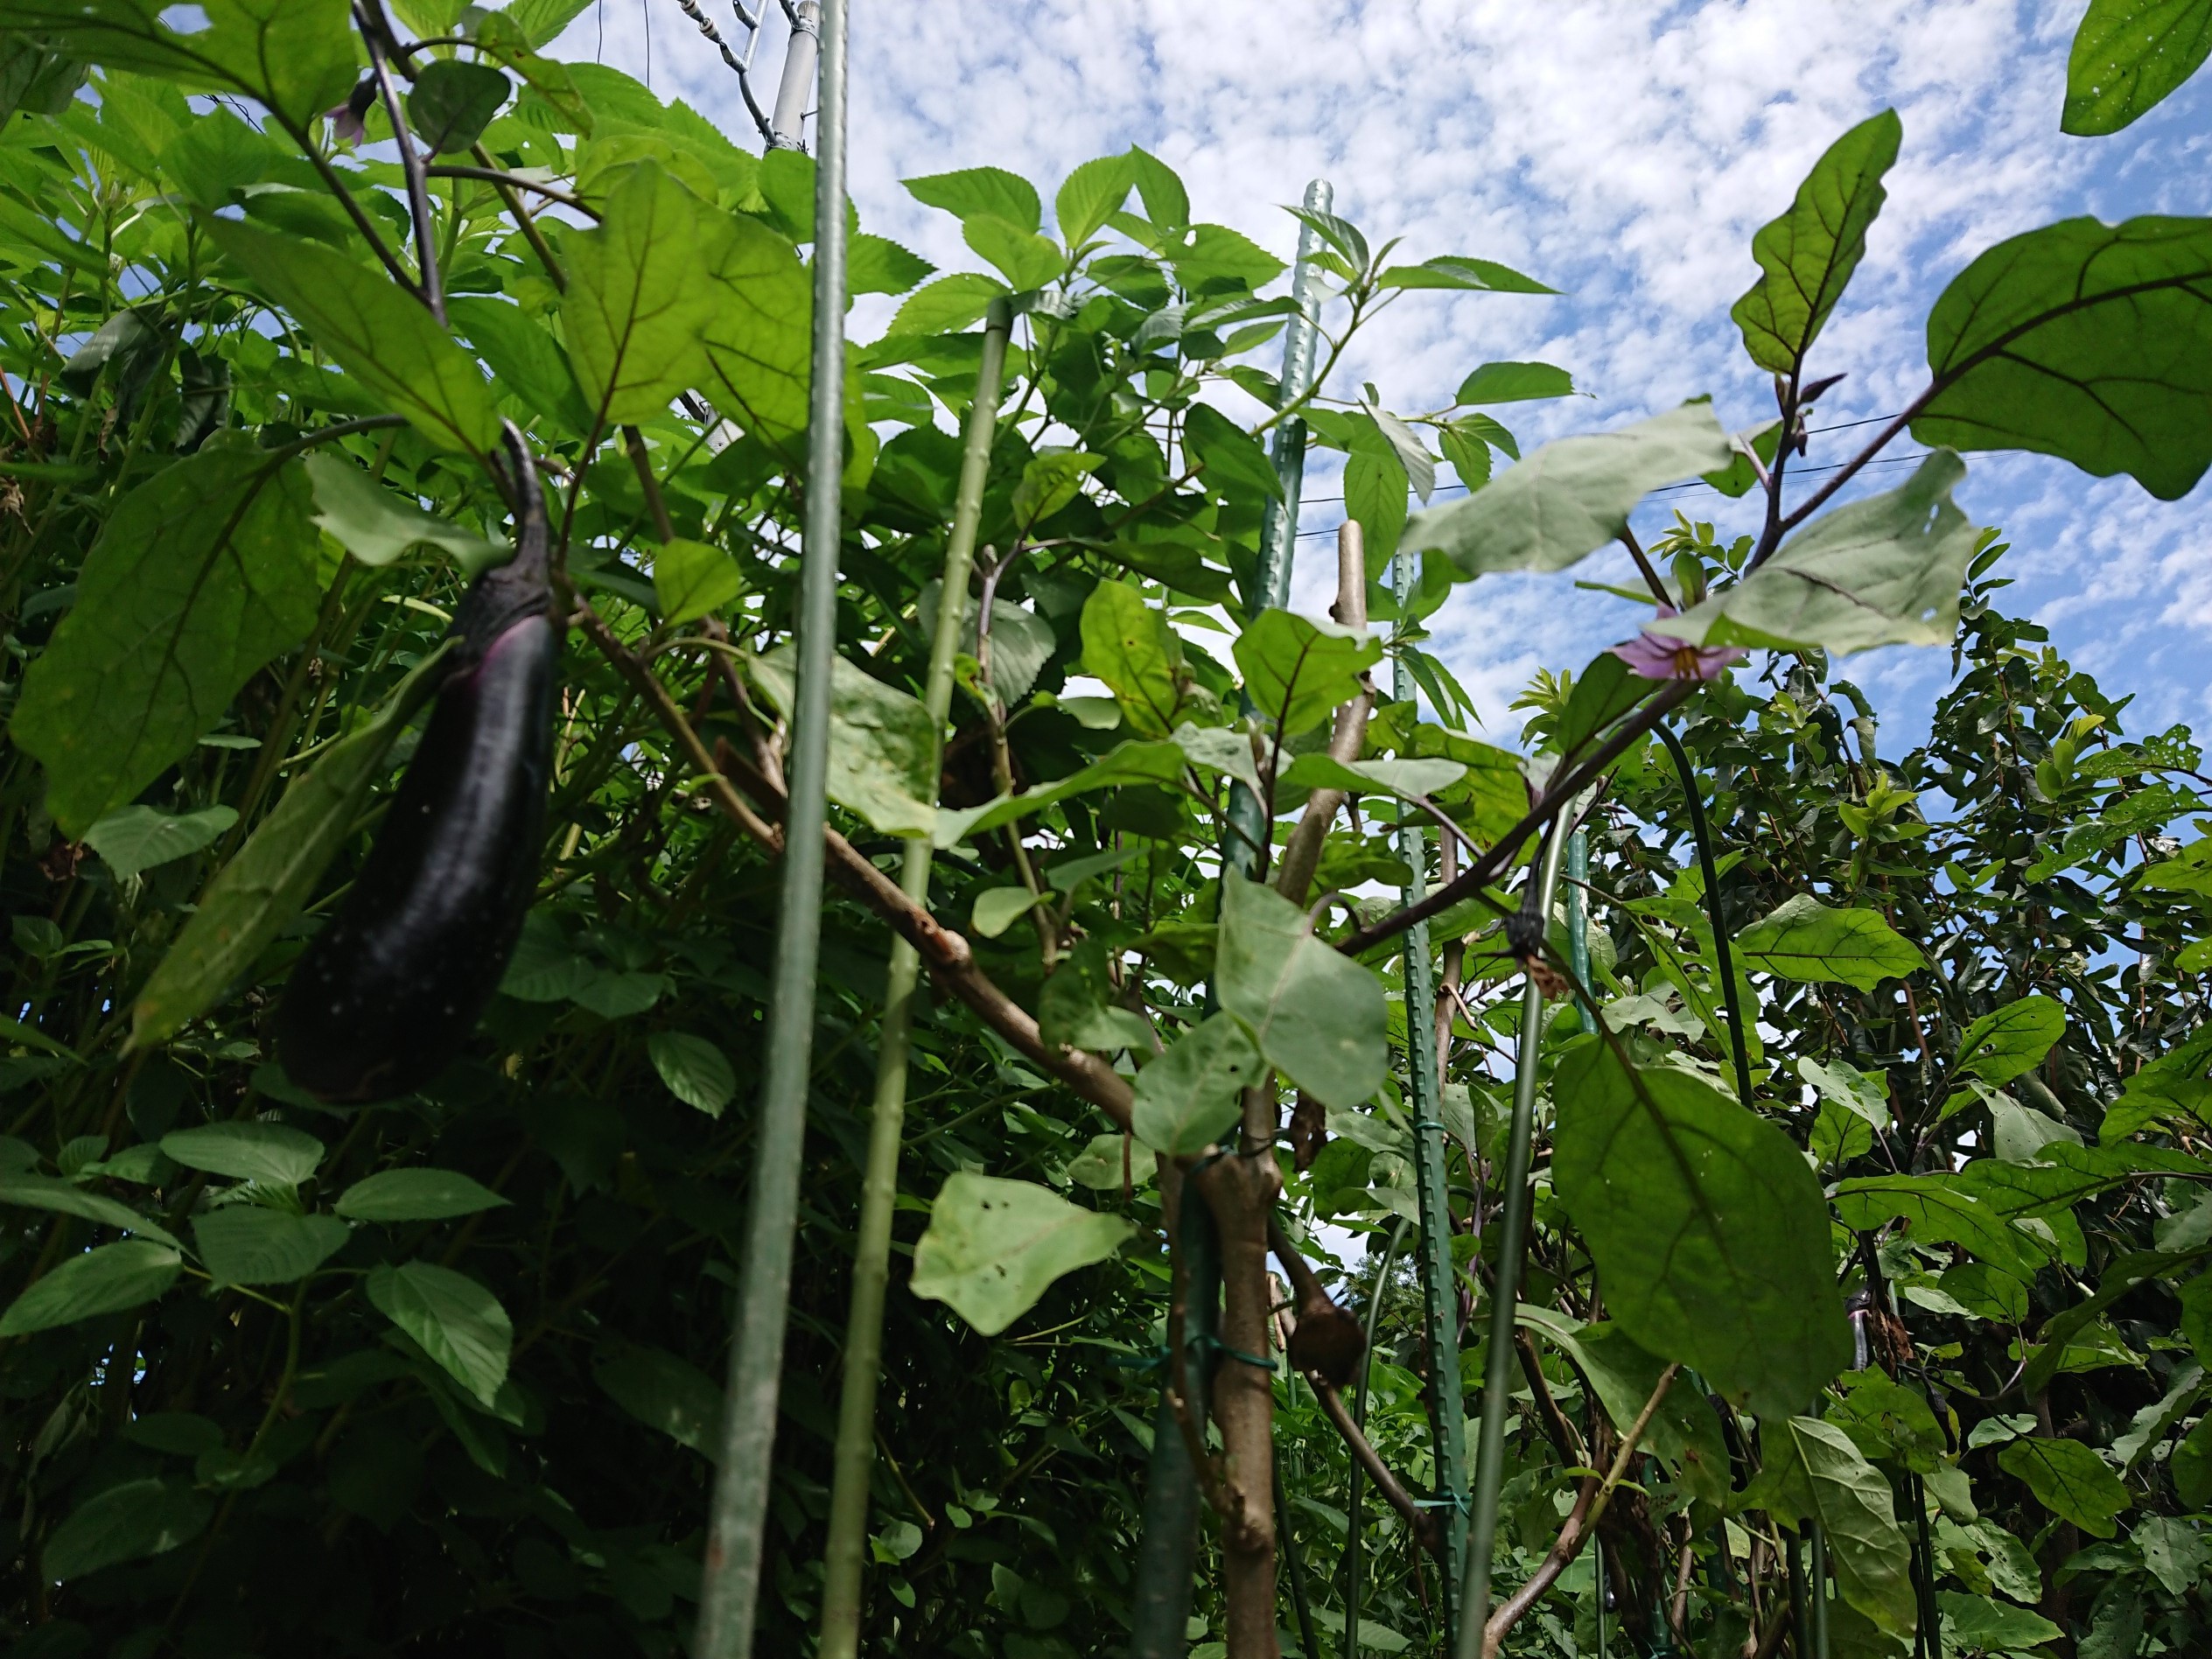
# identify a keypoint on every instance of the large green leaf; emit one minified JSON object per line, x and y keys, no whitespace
{"x":376,"y":333}
{"x":1191,"y":1096}
{"x":128,"y":1522}
{"x":1231,"y":461}
{"x":993,"y":1246}
{"x":66,"y":1198}
{"x":695,"y":1072}
{"x":1572,"y":497}
{"x":1320,"y":1018}
{"x":247,"y":1151}
{"x":1813,"y":1471}
{"x":105,"y":1280}
{"x":244,"y":1244}
{"x":205,"y":573}
{"x":136,"y":838}
{"x":1807,"y":256}
{"x":1129,"y":645}
{"x":273,"y":875}
{"x":882,"y":758}
{"x":526,"y":362}
{"x":298,"y":57}
{"x":1092,"y":193}
{"x":414,"y":1195}
{"x":2088,"y":341}
{"x":1684,"y":1432}
{"x":2070,"y":1480}
{"x":667,"y":1392}
{"x":2008,"y":1041}
{"x":1804,"y":939}
{"x":2127,"y":56}
{"x":758,"y":339}
{"x":981,"y":190}
{"x":1513,"y":383}
{"x":1884,"y":570}
{"x":691,"y":579}
{"x":1940,"y":1212}
{"x":639,"y":295}
{"x":377,"y":526}
{"x":1025,"y":259}
{"x":1984,"y":1624}
{"x":1298,"y":670}
{"x":458,"y":1323}
{"x":1709,"y":1231}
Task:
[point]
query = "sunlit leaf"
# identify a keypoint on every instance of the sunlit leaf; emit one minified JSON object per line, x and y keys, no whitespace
{"x":993,"y":1246}
{"x":2127,"y":56}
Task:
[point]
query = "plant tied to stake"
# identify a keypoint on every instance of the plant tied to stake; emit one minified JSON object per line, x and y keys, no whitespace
{"x":390,"y":991}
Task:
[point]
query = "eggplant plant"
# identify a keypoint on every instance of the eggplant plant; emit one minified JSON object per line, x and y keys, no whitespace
{"x":1773,"y":1167}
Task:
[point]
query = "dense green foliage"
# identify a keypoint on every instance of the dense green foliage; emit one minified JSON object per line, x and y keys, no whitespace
{"x":1911,"y":1180}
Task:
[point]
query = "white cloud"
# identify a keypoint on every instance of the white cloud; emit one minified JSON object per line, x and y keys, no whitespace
{"x":1625,"y":154}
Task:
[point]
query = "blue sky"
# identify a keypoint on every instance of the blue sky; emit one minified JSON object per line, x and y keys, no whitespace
{"x":1625,"y":154}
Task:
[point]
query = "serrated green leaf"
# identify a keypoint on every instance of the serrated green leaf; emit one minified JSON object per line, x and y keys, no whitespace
{"x":458,"y":1323}
{"x":127,"y":1521}
{"x":105,"y":1280}
{"x":1025,"y":259}
{"x":695,"y":1072}
{"x":243,"y":1244}
{"x":247,"y":1151}
{"x":416,"y":1196}
{"x":981,"y":190}
{"x":948,"y":305}
{"x":136,"y":839}
{"x":1091,"y":192}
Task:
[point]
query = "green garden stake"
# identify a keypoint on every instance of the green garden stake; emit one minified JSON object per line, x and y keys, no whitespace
{"x":846,"y":1554}
{"x":1513,"y":1238}
{"x":1439,"y":1281}
{"x":730,"y":1584}
{"x":1579,"y":930}
{"x":1248,"y":826}
{"x":1358,"y":1417}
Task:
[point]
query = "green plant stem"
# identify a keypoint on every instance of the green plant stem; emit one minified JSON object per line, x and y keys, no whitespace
{"x":1724,"y":958}
{"x":1505,"y":1294}
{"x":1300,"y":1605}
{"x":730,"y":1586}
{"x":1359,"y":1418}
{"x":854,"y":1452}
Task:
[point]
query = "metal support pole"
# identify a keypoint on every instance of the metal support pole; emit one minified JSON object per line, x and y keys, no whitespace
{"x":1249,"y":829}
{"x":1579,"y":921}
{"x":788,"y":123}
{"x":1440,"y":1280}
{"x":730,"y":1586}
{"x":1505,"y":1296}
{"x":855,"y":1455}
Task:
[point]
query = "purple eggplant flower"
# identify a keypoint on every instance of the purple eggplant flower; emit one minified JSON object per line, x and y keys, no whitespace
{"x":1654,"y":656}
{"x":344,"y":125}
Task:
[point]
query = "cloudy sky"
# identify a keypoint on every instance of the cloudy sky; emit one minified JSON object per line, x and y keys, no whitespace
{"x":1623,"y":153}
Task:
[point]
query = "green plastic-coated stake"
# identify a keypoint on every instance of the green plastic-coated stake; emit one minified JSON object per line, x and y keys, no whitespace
{"x":730,"y":1584}
{"x":1439,"y":1281}
{"x":1248,"y":826}
{"x":1168,"y":1546}
{"x":1513,"y":1239}
{"x":1578,"y":925}
{"x":1359,"y":1418}
{"x":854,"y":1456}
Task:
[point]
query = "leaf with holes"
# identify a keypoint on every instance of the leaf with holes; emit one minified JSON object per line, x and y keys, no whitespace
{"x":2127,"y":56}
{"x":1319,"y":1018}
{"x":2011,"y":1041}
{"x":993,"y":1246}
{"x":1190,"y":1097}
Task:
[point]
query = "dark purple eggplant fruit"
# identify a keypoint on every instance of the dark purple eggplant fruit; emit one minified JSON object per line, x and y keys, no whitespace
{"x":390,"y":989}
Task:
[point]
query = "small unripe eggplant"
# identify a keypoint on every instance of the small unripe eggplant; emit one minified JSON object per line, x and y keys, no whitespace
{"x":385,"y":996}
